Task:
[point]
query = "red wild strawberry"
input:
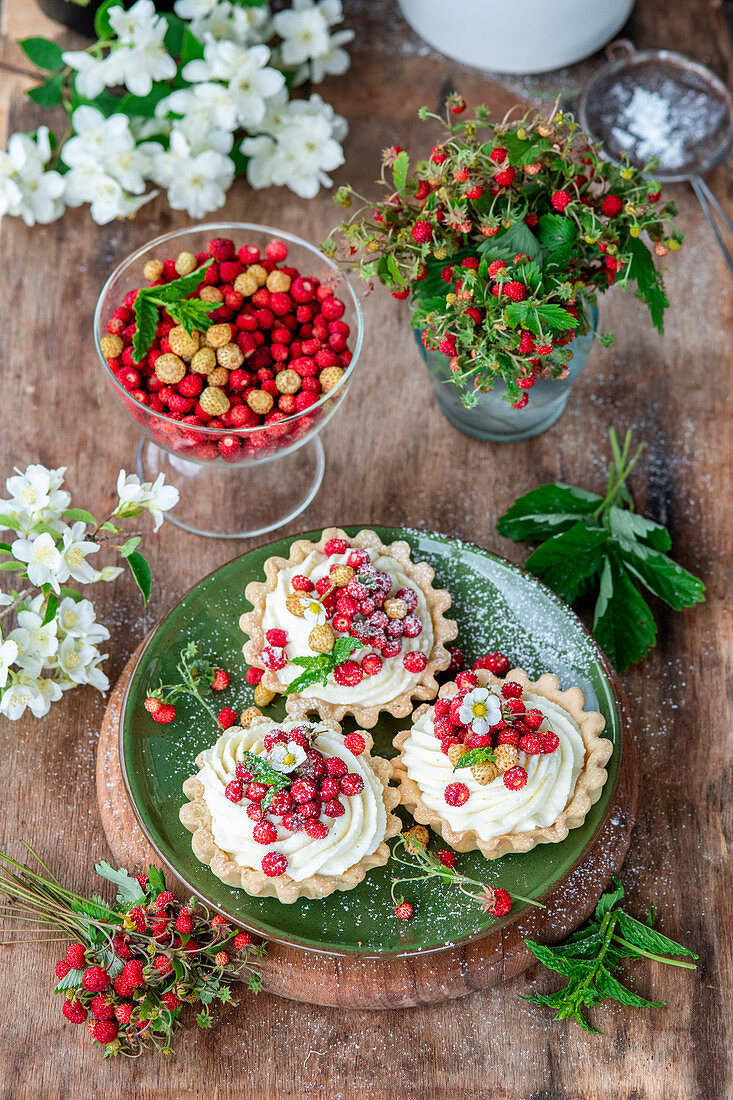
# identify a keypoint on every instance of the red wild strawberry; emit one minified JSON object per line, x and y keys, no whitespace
{"x":550,"y":742}
{"x":242,"y":940}
{"x":165,"y":714}
{"x":422,"y":231}
{"x":447,"y":858}
{"x":496,"y":663}
{"x":612,"y":206}
{"x":329,"y":788}
{"x":74,"y":1012}
{"x":415,"y":661}
{"x":511,"y":690}
{"x":281,"y":804}
{"x":137,"y":915}
{"x":165,"y":899}
{"x":447,"y":344}
{"x":221,"y":680}
{"x":184,"y":922}
{"x":474,"y":192}
{"x":253,"y":676}
{"x":122,"y":988}
{"x":95,"y":979}
{"x":265,"y":832}
{"x":355,"y":743}
{"x":331,"y":547}
{"x":334,"y":808}
{"x":170,"y":1001}
{"x":303,"y":790}
{"x":478,"y":741}
{"x":515,"y":778}
{"x":123,"y":1012}
{"x":505,"y":177}
{"x":516,"y":706}
{"x":560,"y":200}
{"x":227,"y":717}
{"x":531,"y":744}
{"x":466,"y":680}
{"x":348,"y":674}
{"x":104,"y":1031}
{"x":316,"y":829}
{"x":403,"y":911}
{"x":352,"y":784}
{"x":162,"y":964}
{"x":498,"y":155}
{"x":456,"y":660}
{"x":62,"y":969}
{"x":336,"y":767}
{"x":152,"y":705}
{"x":76,"y":956}
{"x":234,"y":790}
{"x":277,"y":638}
{"x":533,"y":719}
{"x":302,"y":584}
{"x":502,"y":903}
{"x":102,"y":1009}
{"x":255,"y":792}
{"x":293,"y":822}
{"x":508,"y":737}
{"x":456,"y":794}
{"x":274,"y":864}
{"x":515,"y":290}
{"x":528,"y":382}
{"x":274,"y":659}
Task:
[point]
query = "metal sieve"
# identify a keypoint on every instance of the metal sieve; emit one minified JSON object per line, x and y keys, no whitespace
{"x":646,"y":103}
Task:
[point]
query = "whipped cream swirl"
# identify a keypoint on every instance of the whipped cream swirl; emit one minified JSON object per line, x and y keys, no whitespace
{"x":357,"y":833}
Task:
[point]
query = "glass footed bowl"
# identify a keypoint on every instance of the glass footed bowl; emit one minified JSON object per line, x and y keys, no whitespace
{"x":233,"y":482}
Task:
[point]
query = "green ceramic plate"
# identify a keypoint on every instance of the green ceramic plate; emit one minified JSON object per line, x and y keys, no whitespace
{"x":496,"y":607}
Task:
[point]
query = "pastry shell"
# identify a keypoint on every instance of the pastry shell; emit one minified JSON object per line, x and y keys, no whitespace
{"x":588,"y":786}
{"x":438,"y":601}
{"x":196,"y":817}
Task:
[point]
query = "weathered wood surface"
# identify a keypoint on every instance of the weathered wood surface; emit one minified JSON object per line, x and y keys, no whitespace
{"x":409,"y":467}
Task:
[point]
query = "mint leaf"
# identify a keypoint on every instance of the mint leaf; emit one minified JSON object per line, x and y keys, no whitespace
{"x":146,"y":322}
{"x":630,"y":525}
{"x":546,"y":511}
{"x":648,"y":279}
{"x":193,"y":314}
{"x":142,"y":573}
{"x":181,"y":287}
{"x":607,"y":901}
{"x":44,"y":53}
{"x":129,"y":891}
{"x":612,"y":988}
{"x":663,"y":577}
{"x":623,"y":625}
{"x":571,"y":968}
{"x":475,"y":756}
{"x":399,"y":170}
{"x":648,"y":939}
{"x":567,"y":562}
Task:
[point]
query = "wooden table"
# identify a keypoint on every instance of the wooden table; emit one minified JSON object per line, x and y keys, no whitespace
{"x":56,"y":409}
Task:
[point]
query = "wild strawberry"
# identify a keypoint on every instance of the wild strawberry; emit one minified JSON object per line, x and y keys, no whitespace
{"x":456,"y":659}
{"x":76,"y":956}
{"x":227,"y":717}
{"x":355,"y":743}
{"x":498,"y":155}
{"x":162,"y":964}
{"x":165,"y":899}
{"x":411,"y":626}
{"x":170,"y":1001}
{"x":253,"y":676}
{"x":515,"y":778}
{"x":265,"y":832}
{"x":456,"y":794}
{"x":533,"y":719}
{"x":234,"y":790}
{"x":274,"y":659}
{"x":222,"y":249}
{"x":506,"y":177}
{"x":184,"y":922}
{"x":221,"y":680}
{"x":274,"y":864}
{"x":352,"y":784}
{"x":527,"y":382}
{"x":447,"y":344}
{"x":123,"y":1012}
{"x":74,"y":1012}
{"x":560,"y":200}
{"x":502,"y":903}
{"x":508,"y":737}
{"x":415,"y":661}
{"x":336,"y":767}
{"x":138,"y":917}
{"x":165,"y":714}
{"x":612,"y":206}
{"x":121,"y":987}
{"x":511,"y":690}
{"x":101,"y":1008}
{"x":331,"y":547}
{"x":531,"y":744}
{"x":329,"y":788}
{"x":516,"y":706}
{"x":550,"y":742}
{"x":309,"y":809}
{"x":316,"y":829}
{"x":152,"y":705}
{"x":255,"y":791}
{"x":293,"y":822}
{"x":334,"y":808}
{"x":348,"y":674}
{"x":104,"y":1031}
{"x":422,"y":232}
{"x":281,"y":804}
{"x":403,"y":911}
{"x":466,"y":680}
{"x":62,"y":969}
{"x":303,"y":790}
{"x":447,"y":858}
{"x":496,"y":663}
{"x":478,"y":740}
{"x":437,"y":156}
{"x":515,"y":290}
{"x":95,"y":979}
{"x":277,"y":638}
{"x":242,"y":940}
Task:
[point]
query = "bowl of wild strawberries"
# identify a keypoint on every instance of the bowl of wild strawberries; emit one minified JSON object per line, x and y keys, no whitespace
{"x":228,"y":343}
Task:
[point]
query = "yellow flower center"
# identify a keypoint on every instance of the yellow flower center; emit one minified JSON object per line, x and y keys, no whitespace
{"x":479,"y":710}
{"x":76,"y":557}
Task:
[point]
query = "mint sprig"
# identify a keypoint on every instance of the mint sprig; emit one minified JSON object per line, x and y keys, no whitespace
{"x":265,"y":773}
{"x":590,"y":955}
{"x":593,"y":544}
{"x":320,"y":666}
{"x":475,"y":756}
{"x":191,"y":313}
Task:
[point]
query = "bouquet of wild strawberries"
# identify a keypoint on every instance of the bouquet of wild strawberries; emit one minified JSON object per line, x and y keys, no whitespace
{"x":134,"y":964}
{"x":503,"y":238}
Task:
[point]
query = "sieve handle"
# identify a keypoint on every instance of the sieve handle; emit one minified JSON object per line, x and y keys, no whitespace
{"x":622,"y":47}
{"x":704,"y":194}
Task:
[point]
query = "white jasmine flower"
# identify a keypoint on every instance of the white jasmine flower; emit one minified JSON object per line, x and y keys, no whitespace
{"x":196,"y":183}
{"x":201,"y":108}
{"x":49,"y":691}
{"x":308,"y":44}
{"x":139,"y":23}
{"x":34,"y":643}
{"x":93,"y":74}
{"x":27,"y":190}
{"x":107,"y":146}
{"x":21,"y":694}
{"x":220,"y":62}
{"x":106,"y":197}
{"x":250,"y":82}
{"x":286,"y":758}
{"x":76,"y":659}
{"x":108,"y":573}
{"x":300,"y":145}
{"x":229,"y":21}
{"x":8,"y":654}
{"x":134,"y":497}
{"x":36,"y":496}
{"x":97,"y":678}
{"x":77,"y":619}
{"x":194,"y":9}
{"x":45,"y":564}
{"x":74,"y":551}
{"x":480,"y":710}
{"x":314,"y":612}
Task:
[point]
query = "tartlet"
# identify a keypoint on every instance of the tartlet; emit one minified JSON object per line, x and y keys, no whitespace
{"x":345,"y":587}
{"x":314,"y":838}
{"x":549,"y":770}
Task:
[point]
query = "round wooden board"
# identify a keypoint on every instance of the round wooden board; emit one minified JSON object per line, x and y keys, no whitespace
{"x":346,"y":982}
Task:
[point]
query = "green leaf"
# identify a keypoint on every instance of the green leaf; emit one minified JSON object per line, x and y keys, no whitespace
{"x":52,"y":607}
{"x":156,"y":880}
{"x":399,"y":170}
{"x":80,"y":514}
{"x":97,"y":910}
{"x":556,"y":317}
{"x":107,"y":526}
{"x":630,"y":525}
{"x":142,"y":573}
{"x":570,"y":968}
{"x":143,"y":106}
{"x":48,"y":94}
{"x":193,"y":314}
{"x":71,"y":981}
{"x":557,"y":235}
{"x":610,"y":987}
{"x":102,"y":25}
{"x":129,"y":890}
{"x":475,"y":756}
{"x":583,"y":947}
{"x":174,"y":35}
{"x":567,"y":562}
{"x":192,"y":49}
{"x":517,"y":238}
{"x":179,"y":288}
{"x":648,"y":939}
{"x":546,"y":511}
{"x":204,"y":1019}
{"x":44,"y":53}
{"x":7,"y":523}
{"x":129,"y":546}
{"x":146,"y":320}
{"x":344,"y":647}
{"x":394,"y":270}
{"x":663,"y":577}
{"x":623,"y":625}
{"x":648,"y":280}
{"x":607,"y":901}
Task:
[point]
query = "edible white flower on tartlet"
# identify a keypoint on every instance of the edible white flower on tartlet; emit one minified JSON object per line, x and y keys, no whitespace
{"x":314,"y":612}
{"x":480,"y":710}
{"x":286,"y":758}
